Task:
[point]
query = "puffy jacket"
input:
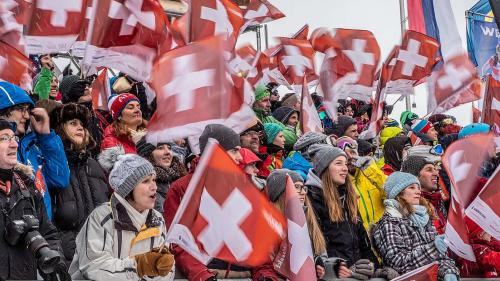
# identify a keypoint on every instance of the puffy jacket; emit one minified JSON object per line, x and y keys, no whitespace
{"x":344,"y":239}
{"x":404,"y":246}
{"x":87,"y":189}
{"x":110,"y":139}
{"x":296,"y":162}
{"x":369,"y":185}
{"x":193,"y":269}
{"x":111,"y":237}
{"x":47,"y":152}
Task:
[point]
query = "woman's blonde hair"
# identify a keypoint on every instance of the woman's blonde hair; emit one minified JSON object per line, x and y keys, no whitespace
{"x":407,"y":209}
{"x":121,"y":129}
{"x":332,"y":199}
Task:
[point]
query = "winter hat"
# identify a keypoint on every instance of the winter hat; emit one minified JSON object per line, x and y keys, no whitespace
{"x":261,"y":92}
{"x":308,"y":139}
{"x":421,"y":126}
{"x":397,"y":182}
{"x":65,"y":88}
{"x":226,"y":136}
{"x":450,"y":129}
{"x":128,"y":172}
{"x":388,"y":133}
{"x":144,"y":148}
{"x":474,"y":129}
{"x":393,"y":151}
{"x":4,"y":124}
{"x":272,"y":130}
{"x":447,"y":140}
{"x":11,"y":95}
{"x":407,"y":118}
{"x":119,"y":102}
{"x":344,"y":122}
{"x":391,"y":123}
{"x":72,"y":111}
{"x":289,"y":100}
{"x":424,"y":151}
{"x":365,"y":147}
{"x":276,"y":182}
{"x":283,"y":113}
{"x":414,"y":164}
{"x":324,"y":156}
{"x":248,"y":157}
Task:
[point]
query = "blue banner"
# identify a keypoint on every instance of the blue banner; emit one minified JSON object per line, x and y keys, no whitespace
{"x":482,"y":41}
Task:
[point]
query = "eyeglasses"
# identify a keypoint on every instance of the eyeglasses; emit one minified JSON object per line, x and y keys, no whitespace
{"x":23,"y":108}
{"x":300,"y":187}
{"x":7,"y":138}
{"x":437,"y":150}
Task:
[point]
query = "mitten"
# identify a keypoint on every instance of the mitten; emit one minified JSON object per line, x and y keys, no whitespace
{"x":363,"y":162}
{"x":386,"y":273}
{"x":450,"y":277}
{"x":165,"y":263}
{"x":440,"y":244}
{"x":146,"y":264}
{"x":363,"y":269}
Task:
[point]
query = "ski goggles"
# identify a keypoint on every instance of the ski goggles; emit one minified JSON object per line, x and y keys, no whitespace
{"x":437,"y":150}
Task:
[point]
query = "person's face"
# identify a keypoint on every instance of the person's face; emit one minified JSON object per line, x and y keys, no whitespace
{"x":293,"y":120}
{"x":8,"y":149}
{"x":87,"y":95}
{"x":251,"y":169}
{"x":411,"y":194}
{"x":338,"y":170}
{"x":279,"y":140}
{"x":162,"y":156}
{"x":47,"y":62}
{"x":274,"y":96}
{"x":264,"y":104}
{"x":432,"y":134}
{"x":132,"y":115}
{"x":428,"y":177}
{"x":20,"y":115}
{"x":250,"y":140}
{"x":145,"y":194}
{"x":352,"y":132}
{"x":349,"y":112}
{"x":302,"y":191}
{"x":54,"y":87}
{"x":75,"y":131}
{"x":235,"y":154}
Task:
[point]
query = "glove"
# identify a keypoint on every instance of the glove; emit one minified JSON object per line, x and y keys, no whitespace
{"x":146,"y":264}
{"x":363,"y":162}
{"x":386,"y":273}
{"x":450,"y":277}
{"x":363,"y":269}
{"x":440,"y":244}
{"x":165,"y":263}
{"x":60,"y":273}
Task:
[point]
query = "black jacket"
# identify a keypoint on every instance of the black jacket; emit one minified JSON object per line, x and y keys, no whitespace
{"x":17,"y":262}
{"x":343,"y":239}
{"x":88,"y":188}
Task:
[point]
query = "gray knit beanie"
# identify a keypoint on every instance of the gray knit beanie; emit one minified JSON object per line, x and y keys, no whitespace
{"x":414,"y":164}
{"x":324,"y":156}
{"x":397,"y":182}
{"x":226,"y":136}
{"x":307,"y":139}
{"x":128,"y":172}
{"x":276,"y":182}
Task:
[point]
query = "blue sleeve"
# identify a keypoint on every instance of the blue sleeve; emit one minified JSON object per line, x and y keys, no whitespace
{"x":55,"y":168}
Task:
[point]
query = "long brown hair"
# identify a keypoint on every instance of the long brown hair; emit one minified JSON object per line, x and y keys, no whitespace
{"x":407,"y":209}
{"x":332,"y":199}
{"x":121,"y":129}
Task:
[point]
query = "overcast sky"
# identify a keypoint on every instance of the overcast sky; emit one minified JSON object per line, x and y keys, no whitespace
{"x":379,"y":16}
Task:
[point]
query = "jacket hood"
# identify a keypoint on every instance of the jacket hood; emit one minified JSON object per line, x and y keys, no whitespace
{"x":297,"y":163}
{"x":11,"y":95}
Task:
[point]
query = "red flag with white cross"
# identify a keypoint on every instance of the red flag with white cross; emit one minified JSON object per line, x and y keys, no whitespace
{"x":244,"y":62}
{"x":101,"y":90}
{"x":462,"y":162}
{"x":78,"y":48}
{"x":425,"y":273}
{"x":456,"y":83}
{"x":296,"y":61}
{"x":14,"y":66}
{"x":193,"y":89}
{"x":415,"y":60}
{"x":222,"y":215}
{"x":491,"y":103}
{"x":125,"y":35}
{"x":309,"y":118}
{"x":259,"y":12}
{"x":12,"y":14}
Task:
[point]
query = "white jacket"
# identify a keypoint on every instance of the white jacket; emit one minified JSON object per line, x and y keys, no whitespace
{"x":112,"y":235}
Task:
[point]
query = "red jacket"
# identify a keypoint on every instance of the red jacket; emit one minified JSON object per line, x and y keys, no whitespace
{"x":111,"y":140}
{"x":193,"y":269}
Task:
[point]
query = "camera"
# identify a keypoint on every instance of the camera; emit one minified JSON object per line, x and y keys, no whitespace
{"x":24,"y":232}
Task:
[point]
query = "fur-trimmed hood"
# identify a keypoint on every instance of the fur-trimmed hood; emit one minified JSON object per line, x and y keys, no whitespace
{"x":25,"y":169}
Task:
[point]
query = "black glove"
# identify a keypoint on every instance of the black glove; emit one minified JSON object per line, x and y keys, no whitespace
{"x":213,"y":278}
{"x":60,"y":273}
{"x":363,"y":269}
{"x":387,"y":273}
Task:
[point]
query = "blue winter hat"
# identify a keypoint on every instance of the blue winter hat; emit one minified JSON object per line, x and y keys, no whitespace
{"x":272,"y":130}
{"x":473,"y":129}
{"x":11,"y":95}
{"x":397,"y":182}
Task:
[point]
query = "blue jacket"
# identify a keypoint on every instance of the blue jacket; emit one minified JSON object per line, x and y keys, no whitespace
{"x":47,"y":151}
{"x":296,"y":162}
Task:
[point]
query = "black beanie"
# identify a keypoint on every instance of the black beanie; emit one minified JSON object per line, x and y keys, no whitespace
{"x":4,"y":124}
{"x":65,"y":88}
{"x":226,"y":136}
{"x":414,"y":164}
{"x":144,"y":148}
{"x":283,"y":113}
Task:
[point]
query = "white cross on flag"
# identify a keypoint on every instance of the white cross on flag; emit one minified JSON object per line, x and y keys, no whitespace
{"x":125,"y":35}
{"x":267,"y":71}
{"x":222,"y":215}
{"x":11,"y":29}
{"x":295,"y":256}
{"x":14,"y":65}
{"x":78,"y":48}
{"x":491,"y":103}
{"x":54,"y":25}
{"x":456,"y":83}
{"x":296,"y":61}
{"x":193,"y":89}
{"x":309,"y":118}
{"x":244,"y":61}
{"x":417,"y":56}
{"x":462,"y":161}
{"x":259,"y":12}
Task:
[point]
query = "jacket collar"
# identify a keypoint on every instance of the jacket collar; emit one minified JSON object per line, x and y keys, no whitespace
{"x":122,"y":217}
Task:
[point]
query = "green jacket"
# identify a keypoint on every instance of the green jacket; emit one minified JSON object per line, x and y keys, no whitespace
{"x":289,"y":134}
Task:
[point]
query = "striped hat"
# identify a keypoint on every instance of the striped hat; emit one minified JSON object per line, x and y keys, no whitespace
{"x":421,"y":126}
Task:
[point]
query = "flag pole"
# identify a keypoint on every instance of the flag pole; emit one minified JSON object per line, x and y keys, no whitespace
{"x":403,"y":20}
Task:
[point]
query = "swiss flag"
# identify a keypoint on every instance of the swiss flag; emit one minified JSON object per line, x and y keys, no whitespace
{"x":416,"y":57}
{"x":456,"y":83}
{"x":54,"y":25}
{"x":101,"y":90}
{"x":14,"y":65}
{"x":491,"y":103}
{"x":78,"y":48}
{"x":267,"y":71}
{"x":259,"y":12}
{"x":297,"y":61}
{"x":215,"y":17}
{"x":222,"y":215}
{"x":295,"y":256}
{"x":22,"y":10}
{"x":476,"y":114}
{"x":193,"y":90}
{"x":125,"y":35}
{"x":11,"y":28}
{"x":425,"y":273}
{"x":309,"y":118}
{"x":244,"y":62}
{"x":462,"y":161}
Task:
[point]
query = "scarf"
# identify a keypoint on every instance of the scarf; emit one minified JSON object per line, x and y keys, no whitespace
{"x":138,"y":219}
{"x":419,"y":217}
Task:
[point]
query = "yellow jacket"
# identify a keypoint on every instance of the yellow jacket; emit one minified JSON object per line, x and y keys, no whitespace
{"x":369,"y":185}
